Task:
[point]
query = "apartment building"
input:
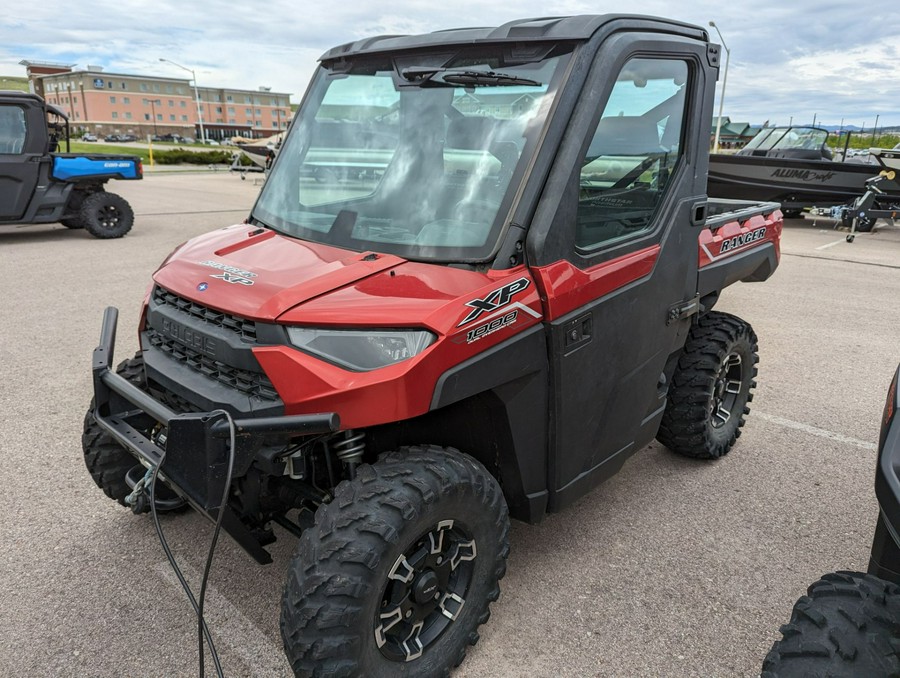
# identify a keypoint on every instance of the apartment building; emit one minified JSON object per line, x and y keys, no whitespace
{"x":120,"y":103}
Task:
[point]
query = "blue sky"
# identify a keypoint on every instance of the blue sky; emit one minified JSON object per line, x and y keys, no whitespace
{"x":789,"y":60}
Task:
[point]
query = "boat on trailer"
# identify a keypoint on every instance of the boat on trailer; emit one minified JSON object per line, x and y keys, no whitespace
{"x":791,"y":165}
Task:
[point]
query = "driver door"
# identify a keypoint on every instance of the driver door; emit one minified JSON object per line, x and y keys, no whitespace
{"x":18,"y":168}
{"x":627,"y":221}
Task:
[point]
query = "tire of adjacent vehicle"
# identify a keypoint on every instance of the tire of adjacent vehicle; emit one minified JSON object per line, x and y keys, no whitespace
{"x":847,"y":626}
{"x":106,"y":460}
{"x":106,"y":215}
{"x":337,"y":581}
{"x":693,"y":423}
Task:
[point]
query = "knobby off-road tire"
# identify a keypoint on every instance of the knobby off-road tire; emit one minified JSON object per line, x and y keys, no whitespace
{"x":360,"y":578}
{"x":711,"y":388}
{"x":106,"y":215}
{"x":106,"y":460}
{"x":847,"y":626}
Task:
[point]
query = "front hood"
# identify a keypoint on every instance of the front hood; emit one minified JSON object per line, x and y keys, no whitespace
{"x":262,"y":275}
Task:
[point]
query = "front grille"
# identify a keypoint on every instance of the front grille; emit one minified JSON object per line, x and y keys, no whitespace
{"x":245,"y":329}
{"x":245,"y":381}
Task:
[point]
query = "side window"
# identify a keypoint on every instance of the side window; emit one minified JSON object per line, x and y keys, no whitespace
{"x":633,"y":153}
{"x":12,"y":130}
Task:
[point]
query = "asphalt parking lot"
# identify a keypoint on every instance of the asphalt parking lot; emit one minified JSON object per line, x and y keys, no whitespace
{"x":672,"y":568}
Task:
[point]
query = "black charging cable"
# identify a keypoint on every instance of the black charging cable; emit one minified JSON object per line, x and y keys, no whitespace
{"x":202,"y":628}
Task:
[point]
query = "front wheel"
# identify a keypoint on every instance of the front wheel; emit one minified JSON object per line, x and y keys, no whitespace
{"x":106,"y":460}
{"x":399,"y":569}
{"x":106,"y":215}
{"x":711,"y":388}
{"x":847,"y":626}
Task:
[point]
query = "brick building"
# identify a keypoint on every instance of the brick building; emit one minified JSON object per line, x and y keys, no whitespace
{"x":119,"y":103}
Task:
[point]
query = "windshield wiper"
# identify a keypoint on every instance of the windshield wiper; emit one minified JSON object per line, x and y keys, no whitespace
{"x":459,"y":76}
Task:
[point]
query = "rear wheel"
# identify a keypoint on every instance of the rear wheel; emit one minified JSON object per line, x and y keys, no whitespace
{"x":106,"y":215}
{"x":711,"y":388}
{"x":847,"y":626}
{"x":399,"y":569}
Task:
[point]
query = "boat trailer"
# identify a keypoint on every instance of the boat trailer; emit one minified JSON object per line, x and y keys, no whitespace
{"x":880,"y":201}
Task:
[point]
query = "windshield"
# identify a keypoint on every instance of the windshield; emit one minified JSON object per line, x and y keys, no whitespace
{"x":785,"y":138}
{"x":761,"y":137}
{"x":802,"y":137}
{"x":417,"y":156}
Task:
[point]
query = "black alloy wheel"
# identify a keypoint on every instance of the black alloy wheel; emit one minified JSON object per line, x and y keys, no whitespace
{"x":106,"y":215}
{"x":726,"y":391}
{"x":425,"y":591}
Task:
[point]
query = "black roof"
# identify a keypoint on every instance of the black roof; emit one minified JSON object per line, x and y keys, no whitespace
{"x":34,"y":99}
{"x":542,"y":29}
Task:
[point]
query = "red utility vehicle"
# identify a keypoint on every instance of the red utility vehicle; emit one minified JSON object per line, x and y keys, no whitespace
{"x":479,"y":277}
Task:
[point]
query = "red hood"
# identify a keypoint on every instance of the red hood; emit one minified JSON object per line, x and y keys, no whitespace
{"x":263,"y":275}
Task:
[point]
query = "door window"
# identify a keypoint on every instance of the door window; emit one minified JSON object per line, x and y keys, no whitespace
{"x":633,"y":153}
{"x":12,"y":130}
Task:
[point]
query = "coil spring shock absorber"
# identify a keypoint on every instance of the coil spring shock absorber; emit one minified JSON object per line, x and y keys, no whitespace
{"x":350,"y":449}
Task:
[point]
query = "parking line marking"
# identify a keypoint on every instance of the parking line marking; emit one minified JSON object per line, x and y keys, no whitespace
{"x":226,"y":623}
{"x":815,"y":430}
{"x":831,"y":244}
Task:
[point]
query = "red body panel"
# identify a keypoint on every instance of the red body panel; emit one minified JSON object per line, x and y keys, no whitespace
{"x":711,"y":243}
{"x":302,"y":283}
{"x":296,"y":282}
{"x":566,"y":287}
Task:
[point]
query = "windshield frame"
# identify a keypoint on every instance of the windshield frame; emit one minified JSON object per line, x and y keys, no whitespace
{"x":534,"y":131}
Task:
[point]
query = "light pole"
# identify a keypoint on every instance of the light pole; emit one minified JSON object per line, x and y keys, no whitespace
{"x":196,"y":95}
{"x":153,"y":103}
{"x":724,"y":82}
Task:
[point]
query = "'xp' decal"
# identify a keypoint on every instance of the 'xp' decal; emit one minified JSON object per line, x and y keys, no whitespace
{"x":493,"y":301}
{"x":230,"y":274}
{"x":740,"y":240}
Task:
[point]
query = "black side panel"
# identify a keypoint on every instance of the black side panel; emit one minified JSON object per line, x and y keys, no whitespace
{"x":48,"y":203}
{"x":754,"y":265}
{"x":494,"y":407}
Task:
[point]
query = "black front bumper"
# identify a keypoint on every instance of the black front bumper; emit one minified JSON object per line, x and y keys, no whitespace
{"x":193,"y":459}
{"x":884,"y":561}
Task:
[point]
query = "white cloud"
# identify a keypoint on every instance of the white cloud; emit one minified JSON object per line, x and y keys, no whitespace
{"x":788,"y":59}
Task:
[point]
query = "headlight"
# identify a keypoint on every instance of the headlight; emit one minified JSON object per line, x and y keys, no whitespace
{"x":361,"y":350}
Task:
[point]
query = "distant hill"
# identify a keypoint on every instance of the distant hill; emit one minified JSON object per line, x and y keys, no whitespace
{"x":855,"y":129}
{"x":13,"y":82}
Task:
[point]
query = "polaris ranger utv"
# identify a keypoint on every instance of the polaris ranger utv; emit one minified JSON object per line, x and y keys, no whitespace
{"x":40,"y":186}
{"x":480,"y":276}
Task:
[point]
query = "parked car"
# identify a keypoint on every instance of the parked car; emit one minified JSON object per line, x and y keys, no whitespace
{"x":88,"y":137}
{"x":128,"y":137}
{"x":111,"y":137}
{"x":210,"y":142}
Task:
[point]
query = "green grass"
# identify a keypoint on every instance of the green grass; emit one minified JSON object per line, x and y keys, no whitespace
{"x":14,"y":83}
{"x":864,"y":140}
{"x":124,"y":149}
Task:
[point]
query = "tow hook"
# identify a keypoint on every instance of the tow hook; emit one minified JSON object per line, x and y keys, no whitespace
{"x":139,"y":499}
{"x":138,"y":479}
